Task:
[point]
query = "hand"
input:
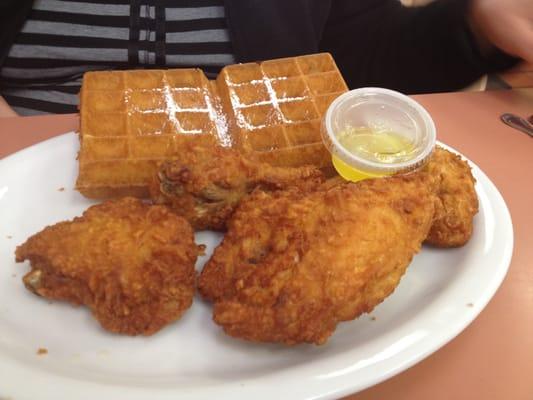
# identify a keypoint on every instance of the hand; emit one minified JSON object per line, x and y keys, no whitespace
{"x":506,"y":24}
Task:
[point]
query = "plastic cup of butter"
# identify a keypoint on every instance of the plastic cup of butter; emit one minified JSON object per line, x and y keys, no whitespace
{"x":374,"y":132}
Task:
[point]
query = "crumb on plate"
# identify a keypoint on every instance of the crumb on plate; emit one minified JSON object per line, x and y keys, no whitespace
{"x":41,"y":351}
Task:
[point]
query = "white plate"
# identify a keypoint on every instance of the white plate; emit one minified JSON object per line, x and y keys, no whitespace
{"x":442,"y":292}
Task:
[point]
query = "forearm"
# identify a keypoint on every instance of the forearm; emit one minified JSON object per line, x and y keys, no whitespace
{"x":414,"y":50}
{"x":5,"y":109}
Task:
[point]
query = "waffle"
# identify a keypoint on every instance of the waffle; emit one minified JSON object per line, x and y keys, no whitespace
{"x":133,"y":120}
{"x":275,"y":107}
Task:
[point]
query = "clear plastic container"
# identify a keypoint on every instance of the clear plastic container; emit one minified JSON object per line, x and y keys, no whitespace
{"x":373,"y":132}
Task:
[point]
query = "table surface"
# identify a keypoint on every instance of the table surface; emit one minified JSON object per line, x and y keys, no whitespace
{"x":493,"y":357}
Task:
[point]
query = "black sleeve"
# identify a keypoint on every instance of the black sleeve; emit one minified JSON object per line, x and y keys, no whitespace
{"x":12,"y":16}
{"x":413,"y":50}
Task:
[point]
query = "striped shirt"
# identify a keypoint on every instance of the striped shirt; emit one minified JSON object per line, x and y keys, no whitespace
{"x":62,"y":39}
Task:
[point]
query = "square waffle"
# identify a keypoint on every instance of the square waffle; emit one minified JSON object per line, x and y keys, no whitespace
{"x":133,"y":120}
{"x":275,"y":107}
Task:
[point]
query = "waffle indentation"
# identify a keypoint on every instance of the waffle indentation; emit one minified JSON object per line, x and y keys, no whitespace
{"x":131,"y":120}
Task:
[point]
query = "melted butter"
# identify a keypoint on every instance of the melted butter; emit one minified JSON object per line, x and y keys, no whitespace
{"x":351,"y":173}
{"x":382,"y":146}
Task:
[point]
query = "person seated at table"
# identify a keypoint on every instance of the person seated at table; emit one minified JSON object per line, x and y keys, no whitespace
{"x":47,"y":45}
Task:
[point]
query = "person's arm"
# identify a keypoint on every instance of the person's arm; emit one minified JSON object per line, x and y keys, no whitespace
{"x":414,"y":50}
{"x":6,"y":110}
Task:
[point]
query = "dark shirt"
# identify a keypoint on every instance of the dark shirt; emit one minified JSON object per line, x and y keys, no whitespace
{"x":61,"y":40}
{"x":374,"y":42}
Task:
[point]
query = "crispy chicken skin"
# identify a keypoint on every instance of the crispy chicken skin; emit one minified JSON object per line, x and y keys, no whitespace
{"x":132,"y":264}
{"x":451,"y":179}
{"x":207,"y":182}
{"x":458,"y":202}
{"x":294,"y":263}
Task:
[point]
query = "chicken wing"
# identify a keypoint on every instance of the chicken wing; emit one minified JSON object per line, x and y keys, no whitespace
{"x":458,"y":202}
{"x":130,"y":263}
{"x":294,"y":263}
{"x":207,"y":182}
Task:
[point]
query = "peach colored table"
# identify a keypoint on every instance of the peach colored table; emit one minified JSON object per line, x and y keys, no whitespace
{"x":493,"y":357}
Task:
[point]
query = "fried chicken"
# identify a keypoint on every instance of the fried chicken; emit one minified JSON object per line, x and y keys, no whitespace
{"x":294,"y":263}
{"x":132,"y":264}
{"x":207,"y":182}
{"x":451,"y":179}
{"x":458,"y":202}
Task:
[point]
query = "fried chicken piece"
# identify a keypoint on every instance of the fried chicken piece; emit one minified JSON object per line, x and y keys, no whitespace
{"x":293,"y":264}
{"x":132,"y":264}
{"x":207,"y":182}
{"x":451,"y":179}
{"x":458,"y":202}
